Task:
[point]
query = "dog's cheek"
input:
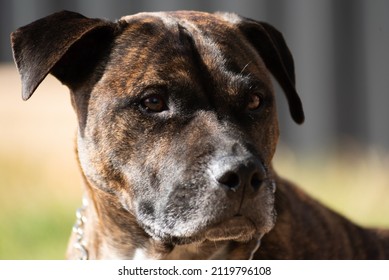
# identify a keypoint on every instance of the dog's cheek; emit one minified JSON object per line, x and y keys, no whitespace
{"x":95,"y":168}
{"x":104,"y":147}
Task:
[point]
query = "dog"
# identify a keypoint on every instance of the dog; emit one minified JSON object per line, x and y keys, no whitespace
{"x":177,"y":128}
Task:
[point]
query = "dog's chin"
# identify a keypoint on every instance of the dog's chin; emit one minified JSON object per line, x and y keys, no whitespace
{"x":237,"y":228}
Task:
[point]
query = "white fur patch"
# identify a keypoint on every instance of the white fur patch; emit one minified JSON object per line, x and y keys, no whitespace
{"x":140,"y":254}
{"x":230,"y":17}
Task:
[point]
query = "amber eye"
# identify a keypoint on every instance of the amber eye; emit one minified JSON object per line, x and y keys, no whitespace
{"x":154,"y":103}
{"x":254,"y":102}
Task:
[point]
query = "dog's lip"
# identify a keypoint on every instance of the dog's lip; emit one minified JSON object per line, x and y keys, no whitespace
{"x":238,"y":228}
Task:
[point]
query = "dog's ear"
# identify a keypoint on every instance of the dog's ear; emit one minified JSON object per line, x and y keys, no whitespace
{"x":271,"y":45}
{"x":66,"y":44}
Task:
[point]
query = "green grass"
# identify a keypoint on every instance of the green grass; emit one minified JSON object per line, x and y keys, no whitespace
{"x":37,"y":212}
{"x":38,"y":234}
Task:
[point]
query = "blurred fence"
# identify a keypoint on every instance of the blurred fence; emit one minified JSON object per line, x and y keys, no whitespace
{"x":340,"y":50}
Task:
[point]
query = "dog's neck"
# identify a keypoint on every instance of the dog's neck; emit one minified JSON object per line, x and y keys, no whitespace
{"x":98,"y":235}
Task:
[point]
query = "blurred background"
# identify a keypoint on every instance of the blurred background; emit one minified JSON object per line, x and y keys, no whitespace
{"x":339,"y":155}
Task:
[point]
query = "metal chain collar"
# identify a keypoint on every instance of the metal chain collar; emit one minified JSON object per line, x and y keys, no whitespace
{"x":78,"y":230}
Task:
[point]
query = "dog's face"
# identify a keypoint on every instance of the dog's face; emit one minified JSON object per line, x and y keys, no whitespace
{"x":174,"y":111}
{"x":177,"y":120}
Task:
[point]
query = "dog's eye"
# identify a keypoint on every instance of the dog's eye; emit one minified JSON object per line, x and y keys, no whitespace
{"x":254,"y":102}
{"x":154,"y":103}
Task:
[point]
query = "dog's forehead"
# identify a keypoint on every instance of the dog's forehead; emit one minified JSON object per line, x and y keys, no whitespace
{"x":214,"y":35}
{"x":177,"y":46}
{"x":205,"y":28}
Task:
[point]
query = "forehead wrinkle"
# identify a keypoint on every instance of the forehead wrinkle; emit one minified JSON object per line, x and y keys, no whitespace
{"x":207,"y":47}
{"x":209,"y":59}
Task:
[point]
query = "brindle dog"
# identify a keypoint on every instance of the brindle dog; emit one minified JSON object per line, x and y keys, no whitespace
{"x":177,"y":131}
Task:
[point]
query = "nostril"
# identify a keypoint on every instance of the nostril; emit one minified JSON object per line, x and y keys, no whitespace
{"x":256,"y":181}
{"x":238,"y":174}
{"x":230,"y":179}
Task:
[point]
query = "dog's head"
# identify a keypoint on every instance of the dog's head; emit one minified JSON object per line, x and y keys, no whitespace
{"x":176,"y":111}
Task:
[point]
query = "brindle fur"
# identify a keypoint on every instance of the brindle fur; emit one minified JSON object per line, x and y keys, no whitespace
{"x":153,"y":179}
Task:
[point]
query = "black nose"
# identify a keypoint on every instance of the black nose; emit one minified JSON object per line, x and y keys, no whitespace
{"x":243,"y":174}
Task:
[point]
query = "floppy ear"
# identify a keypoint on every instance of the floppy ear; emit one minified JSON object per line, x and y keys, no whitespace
{"x":66,"y":44}
{"x":271,"y":45}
